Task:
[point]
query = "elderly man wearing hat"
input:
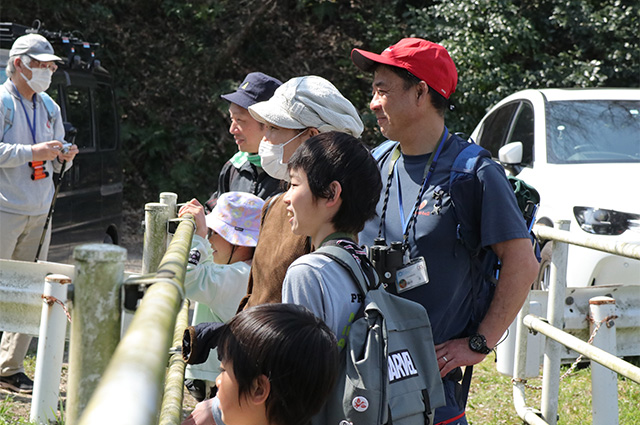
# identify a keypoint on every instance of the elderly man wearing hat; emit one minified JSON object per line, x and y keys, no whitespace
{"x":243,"y":172}
{"x":299,"y":109}
{"x":412,"y":83}
{"x":30,"y":152}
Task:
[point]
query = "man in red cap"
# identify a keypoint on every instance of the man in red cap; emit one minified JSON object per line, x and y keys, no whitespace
{"x":412,"y":83}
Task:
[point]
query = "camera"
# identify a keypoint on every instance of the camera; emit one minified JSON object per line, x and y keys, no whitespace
{"x":386,"y":259}
{"x":65,"y":147}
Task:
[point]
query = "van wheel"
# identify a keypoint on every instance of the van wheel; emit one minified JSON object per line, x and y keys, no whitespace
{"x":542,"y":281}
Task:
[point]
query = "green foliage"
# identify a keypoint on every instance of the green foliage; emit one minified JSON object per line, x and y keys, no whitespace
{"x":502,"y":46}
{"x":171,"y":60}
{"x":6,"y":415}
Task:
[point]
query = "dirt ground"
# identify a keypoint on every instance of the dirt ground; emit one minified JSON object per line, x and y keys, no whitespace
{"x":132,"y":237}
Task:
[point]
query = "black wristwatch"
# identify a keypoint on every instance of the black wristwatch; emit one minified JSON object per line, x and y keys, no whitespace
{"x":478,"y":343}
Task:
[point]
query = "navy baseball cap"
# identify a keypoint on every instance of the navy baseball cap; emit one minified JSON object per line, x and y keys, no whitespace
{"x":256,"y":87}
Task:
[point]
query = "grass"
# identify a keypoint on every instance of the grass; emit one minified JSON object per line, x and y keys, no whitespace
{"x":15,"y":411}
{"x":7,"y":415}
{"x":491,"y":399}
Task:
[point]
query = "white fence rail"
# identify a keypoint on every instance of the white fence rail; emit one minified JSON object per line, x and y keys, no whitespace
{"x":571,"y":316}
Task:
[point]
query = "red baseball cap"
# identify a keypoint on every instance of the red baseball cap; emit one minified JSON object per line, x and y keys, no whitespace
{"x":426,"y":60}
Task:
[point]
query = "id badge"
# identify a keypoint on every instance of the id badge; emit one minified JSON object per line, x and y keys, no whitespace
{"x":412,"y":275}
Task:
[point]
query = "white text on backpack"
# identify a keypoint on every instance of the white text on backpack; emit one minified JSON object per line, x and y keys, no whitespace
{"x":401,"y":366}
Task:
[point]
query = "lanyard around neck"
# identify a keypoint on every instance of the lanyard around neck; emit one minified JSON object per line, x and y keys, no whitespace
{"x":32,"y":126}
{"x":428,"y":171}
{"x":338,"y":235}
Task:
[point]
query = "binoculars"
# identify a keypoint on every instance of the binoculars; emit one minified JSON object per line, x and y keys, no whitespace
{"x":386,"y":259}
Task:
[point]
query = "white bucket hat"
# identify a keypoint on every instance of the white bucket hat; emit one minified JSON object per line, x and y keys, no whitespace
{"x":34,"y":46}
{"x":236,"y":217}
{"x":309,"y":101}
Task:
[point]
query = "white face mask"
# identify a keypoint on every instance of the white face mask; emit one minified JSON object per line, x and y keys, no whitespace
{"x":271,"y":158}
{"x":40,"y":78}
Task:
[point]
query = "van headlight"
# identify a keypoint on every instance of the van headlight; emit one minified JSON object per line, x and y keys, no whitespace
{"x":606,"y":222}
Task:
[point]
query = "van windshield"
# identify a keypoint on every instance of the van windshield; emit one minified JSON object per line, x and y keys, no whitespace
{"x":593,"y":131}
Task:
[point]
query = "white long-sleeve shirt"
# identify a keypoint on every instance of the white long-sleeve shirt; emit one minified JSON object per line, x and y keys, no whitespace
{"x":218,"y":286}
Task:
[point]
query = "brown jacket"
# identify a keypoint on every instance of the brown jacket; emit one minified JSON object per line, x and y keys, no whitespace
{"x":277,"y":248}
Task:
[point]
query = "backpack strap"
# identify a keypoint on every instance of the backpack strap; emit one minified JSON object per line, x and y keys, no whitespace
{"x":7,"y":110}
{"x":363,"y":274}
{"x":467,"y":161}
{"x":382,"y":150}
{"x":464,"y":167}
{"x":49,"y":105}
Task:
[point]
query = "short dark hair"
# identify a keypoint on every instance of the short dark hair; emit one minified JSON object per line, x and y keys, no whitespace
{"x":336,"y":156}
{"x":438,"y":101}
{"x":293,"y":348}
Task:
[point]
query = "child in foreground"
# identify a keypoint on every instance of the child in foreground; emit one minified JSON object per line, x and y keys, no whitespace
{"x":278,"y":364}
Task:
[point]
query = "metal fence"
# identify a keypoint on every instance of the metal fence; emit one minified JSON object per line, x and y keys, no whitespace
{"x":601,"y":349}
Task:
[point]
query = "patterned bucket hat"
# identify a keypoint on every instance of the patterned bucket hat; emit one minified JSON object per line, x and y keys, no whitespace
{"x":236,"y":217}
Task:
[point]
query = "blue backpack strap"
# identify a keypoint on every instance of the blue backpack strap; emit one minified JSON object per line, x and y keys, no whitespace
{"x":383,"y":149}
{"x":463,"y":169}
{"x":7,"y":110}
{"x":467,"y":161}
{"x":49,"y":105}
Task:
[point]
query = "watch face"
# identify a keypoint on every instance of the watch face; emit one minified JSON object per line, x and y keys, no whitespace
{"x":478,"y":344}
{"x":475,"y":342}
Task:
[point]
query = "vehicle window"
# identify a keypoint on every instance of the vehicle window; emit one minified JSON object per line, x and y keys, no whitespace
{"x":523,"y":132}
{"x":79,"y":114}
{"x":495,"y":129}
{"x":593,"y":131}
{"x":106,"y":117}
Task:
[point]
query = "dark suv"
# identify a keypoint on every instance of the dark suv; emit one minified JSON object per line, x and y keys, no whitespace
{"x":89,"y":204}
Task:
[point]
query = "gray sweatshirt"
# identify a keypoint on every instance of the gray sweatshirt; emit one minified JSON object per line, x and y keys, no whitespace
{"x":19,"y":194}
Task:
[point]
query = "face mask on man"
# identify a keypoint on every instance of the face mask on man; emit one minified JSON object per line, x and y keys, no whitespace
{"x":40,"y":78}
{"x":271,"y":158}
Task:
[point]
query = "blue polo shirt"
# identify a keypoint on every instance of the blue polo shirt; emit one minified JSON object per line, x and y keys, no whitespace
{"x":448,"y":295}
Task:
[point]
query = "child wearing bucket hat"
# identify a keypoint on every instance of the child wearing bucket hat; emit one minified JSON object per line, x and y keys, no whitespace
{"x":221,"y":251}
{"x":219,"y":265}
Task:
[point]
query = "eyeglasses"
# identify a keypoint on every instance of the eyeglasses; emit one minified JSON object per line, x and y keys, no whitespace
{"x":38,"y":64}
{"x":210,"y":232}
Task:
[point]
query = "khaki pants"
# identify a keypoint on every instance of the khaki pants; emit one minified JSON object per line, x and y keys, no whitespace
{"x":20,"y":236}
